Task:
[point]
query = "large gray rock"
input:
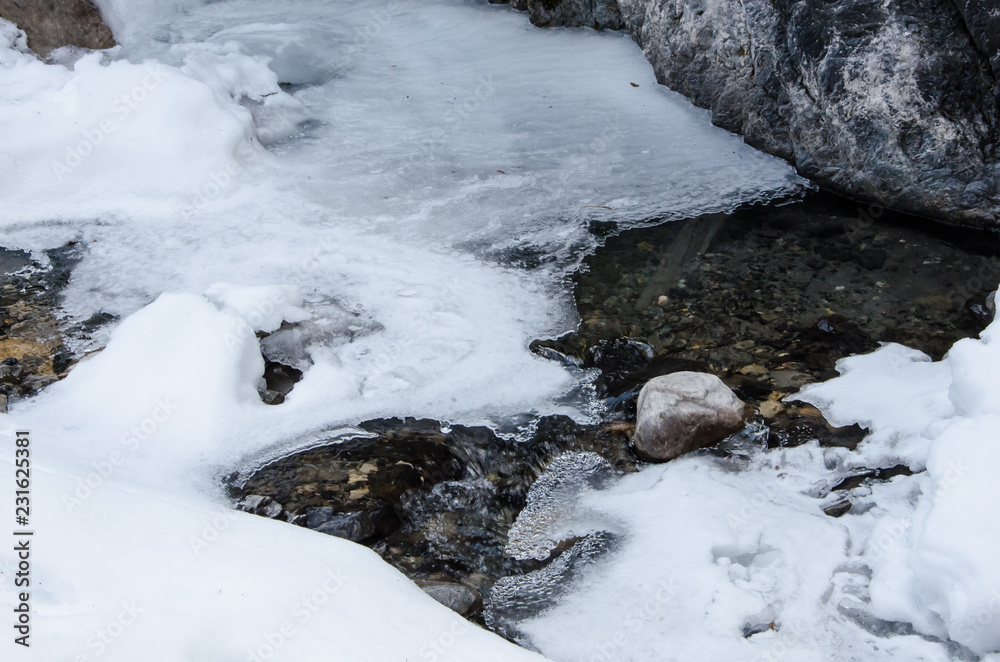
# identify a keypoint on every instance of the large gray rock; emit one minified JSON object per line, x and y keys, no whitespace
{"x":891,"y":102}
{"x":51,"y":24}
{"x":685,"y":411}
{"x":983,"y":20}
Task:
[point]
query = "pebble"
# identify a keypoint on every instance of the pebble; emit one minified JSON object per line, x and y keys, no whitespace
{"x":771,"y":408}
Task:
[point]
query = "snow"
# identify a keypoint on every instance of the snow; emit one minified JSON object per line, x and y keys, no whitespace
{"x":411,"y":183}
{"x":716,"y":549}
{"x":131,"y":528}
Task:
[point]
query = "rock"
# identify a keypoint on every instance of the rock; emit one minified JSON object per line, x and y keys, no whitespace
{"x":51,"y":24}
{"x":357,"y":526}
{"x":838,"y":509}
{"x":264,"y":506}
{"x":35,"y":383}
{"x":459,"y":598}
{"x":315,"y":517}
{"x":983,"y":21}
{"x":893,"y":104}
{"x":597,"y":14}
{"x":754,"y":369}
{"x":11,"y":373}
{"x":771,"y":408}
{"x":685,"y":411}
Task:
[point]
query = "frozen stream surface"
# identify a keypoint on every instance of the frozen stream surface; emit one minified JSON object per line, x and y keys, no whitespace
{"x":412,"y":181}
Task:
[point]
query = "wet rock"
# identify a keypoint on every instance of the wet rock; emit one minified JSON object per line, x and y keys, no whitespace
{"x":10,"y":372}
{"x":436,"y":504}
{"x":619,"y":360}
{"x":597,"y":14}
{"x":316,"y":517}
{"x":838,"y":509}
{"x":32,"y":349}
{"x":357,"y":526}
{"x":51,"y":24}
{"x":269,"y":397}
{"x":863,"y":477}
{"x":457,"y":597}
{"x":771,"y":408}
{"x":35,"y":383}
{"x":261,"y":505}
{"x":685,"y":411}
{"x":798,"y":423}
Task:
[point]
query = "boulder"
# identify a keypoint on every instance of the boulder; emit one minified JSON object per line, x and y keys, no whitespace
{"x":685,"y":411}
{"x":51,"y":24}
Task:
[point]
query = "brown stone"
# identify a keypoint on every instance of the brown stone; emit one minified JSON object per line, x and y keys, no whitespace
{"x":51,"y":24}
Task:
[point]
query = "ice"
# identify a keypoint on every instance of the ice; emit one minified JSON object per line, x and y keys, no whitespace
{"x":430,"y":172}
{"x":549,"y":518}
{"x":438,"y":183}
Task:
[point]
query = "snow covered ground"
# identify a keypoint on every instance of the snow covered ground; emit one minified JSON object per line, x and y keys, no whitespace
{"x":417,"y":191}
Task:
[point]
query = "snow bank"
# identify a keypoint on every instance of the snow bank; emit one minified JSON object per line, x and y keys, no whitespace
{"x":137,"y":555}
{"x":945,"y":578}
{"x":110,"y":136}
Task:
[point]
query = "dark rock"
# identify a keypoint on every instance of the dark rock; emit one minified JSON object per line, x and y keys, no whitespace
{"x":619,"y":360}
{"x":597,"y":14}
{"x":838,"y":509}
{"x":685,"y":411}
{"x":983,"y":21}
{"x":459,"y":598}
{"x":894,"y":104}
{"x":358,"y":526}
{"x":51,"y":24}
{"x":269,"y":397}
{"x":315,"y":517}
{"x":11,"y":374}
{"x":35,"y":383}
{"x":435,"y":504}
{"x":864,"y":477}
{"x":264,"y":506}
